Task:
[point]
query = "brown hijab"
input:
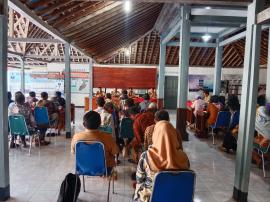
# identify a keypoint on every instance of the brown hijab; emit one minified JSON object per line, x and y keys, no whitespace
{"x":165,"y":153}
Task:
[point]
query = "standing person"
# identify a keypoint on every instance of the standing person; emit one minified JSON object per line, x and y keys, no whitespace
{"x":10,"y":98}
{"x":164,"y":154}
{"x":58,"y":100}
{"x":206,"y":96}
{"x":198,"y":105}
{"x":108,"y":97}
{"x":22,"y":108}
{"x":146,"y":101}
{"x":107,"y":118}
{"x":31,"y":99}
{"x":91,"y":123}
{"x":100,"y":104}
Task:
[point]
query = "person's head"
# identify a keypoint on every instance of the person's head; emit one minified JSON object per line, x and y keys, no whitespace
{"x":129,"y":103}
{"x":124,"y":97}
{"x":124,"y":92}
{"x":108,"y":107}
{"x":152,"y":107}
{"x":108,"y":95}
{"x":233,"y":103}
{"x":146,"y":96}
{"x":222,"y":100}
{"x":133,"y":111}
{"x":44,"y":95}
{"x":19,"y":98}
{"x":32,"y":94}
{"x":162,"y":115}
{"x":198,"y":97}
{"x":214,"y":99}
{"x":9,"y":95}
{"x":58,"y":94}
{"x":91,"y":120}
{"x":100,"y":101}
{"x":261,"y":100}
{"x":206,"y":93}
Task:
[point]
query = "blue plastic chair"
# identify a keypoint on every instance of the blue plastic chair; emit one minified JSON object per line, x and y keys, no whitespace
{"x":91,"y":161}
{"x":42,"y":118}
{"x":222,"y":121}
{"x":18,"y":127}
{"x":173,"y":186}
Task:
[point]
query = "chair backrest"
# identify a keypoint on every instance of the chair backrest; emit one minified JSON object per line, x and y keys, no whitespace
{"x":126,"y":128}
{"x":235,"y":119}
{"x":90,"y":158}
{"x":17,"y":125}
{"x":41,"y":115}
{"x":173,"y":186}
{"x":223,"y":119}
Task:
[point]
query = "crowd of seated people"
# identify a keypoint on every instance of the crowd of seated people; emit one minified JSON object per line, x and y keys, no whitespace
{"x":156,"y":144}
{"x":25,"y":106}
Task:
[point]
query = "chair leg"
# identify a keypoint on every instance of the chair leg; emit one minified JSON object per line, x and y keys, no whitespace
{"x":113,"y":186}
{"x":108,"y":196}
{"x":83,"y":183}
{"x":264,"y":175}
{"x":213,"y":135}
{"x":30,"y":147}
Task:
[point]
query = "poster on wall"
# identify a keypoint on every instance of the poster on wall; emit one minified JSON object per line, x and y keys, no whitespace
{"x":44,"y":81}
{"x":198,"y":82}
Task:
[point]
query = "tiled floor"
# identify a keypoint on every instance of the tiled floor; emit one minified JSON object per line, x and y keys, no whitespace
{"x":38,"y":178}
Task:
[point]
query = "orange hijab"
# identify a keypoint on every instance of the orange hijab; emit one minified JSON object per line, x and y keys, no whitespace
{"x":165,"y":153}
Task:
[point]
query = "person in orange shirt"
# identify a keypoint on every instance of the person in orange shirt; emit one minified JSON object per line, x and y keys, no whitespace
{"x":91,"y":122}
{"x":212,"y":110}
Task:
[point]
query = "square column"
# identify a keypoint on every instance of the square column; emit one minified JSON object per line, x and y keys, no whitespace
{"x":67,"y":91}
{"x":161,"y":74}
{"x":22,"y":76}
{"x":218,"y":68}
{"x":4,"y":153}
{"x":248,"y":103}
{"x":90,"y":79}
{"x":184,"y":47}
{"x":268,"y":73}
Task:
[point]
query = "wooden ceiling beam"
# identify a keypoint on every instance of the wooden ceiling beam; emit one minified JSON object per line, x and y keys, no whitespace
{"x":66,"y":20}
{"x":150,"y":59}
{"x":53,"y":7}
{"x":228,"y":56}
{"x":146,"y":49}
{"x":36,"y":4}
{"x":174,"y":51}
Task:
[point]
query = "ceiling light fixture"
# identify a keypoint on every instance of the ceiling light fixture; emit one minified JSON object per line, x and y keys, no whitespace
{"x":206,"y":37}
{"x":127,"y":6}
{"x":127,"y":52}
{"x":207,"y":7}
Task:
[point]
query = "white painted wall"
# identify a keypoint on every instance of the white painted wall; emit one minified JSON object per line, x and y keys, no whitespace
{"x":78,"y":99}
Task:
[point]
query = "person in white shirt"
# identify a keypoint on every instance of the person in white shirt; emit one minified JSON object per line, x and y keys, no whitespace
{"x":145,"y":103}
{"x":100,"y":104}
{"x":198,"y":105}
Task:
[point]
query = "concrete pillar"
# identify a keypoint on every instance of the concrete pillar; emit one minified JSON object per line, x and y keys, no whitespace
{"x":183,"y":57}
{"x":67,"y":91}
{"x":90,"y":78}
{"x":161,"y":75}
{"x":4,"y":157}
{"x":268,"y":74}
{"x":22,"y":75}
{"x":248,"y":103}
{"x":218,"y":68}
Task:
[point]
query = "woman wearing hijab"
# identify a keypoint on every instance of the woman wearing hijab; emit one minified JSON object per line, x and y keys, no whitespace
{"x":166,"y":153}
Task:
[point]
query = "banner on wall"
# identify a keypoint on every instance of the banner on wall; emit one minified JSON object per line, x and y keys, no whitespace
{"x":199,"y":82}
{"x":49,"y":82}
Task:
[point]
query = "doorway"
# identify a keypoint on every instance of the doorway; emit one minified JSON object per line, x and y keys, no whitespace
{"x":171,"y":86}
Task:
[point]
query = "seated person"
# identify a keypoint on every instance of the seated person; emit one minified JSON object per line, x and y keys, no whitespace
{"x":9,"y":98}
{"x":31,"y":99}
{"x":164,"y":154}
{"x":100,"y":93}
{"x":131,"y":93}
{"x":108,"y":97}
{"x":206,"y":96}
{"x":152,"y":93}
{"x":107,"y":118}
{"x":52,"y":109}
{"x":212,"y":110}
{"x":91,"y":122}
{"x":58,"y":100}
{"x":140,"y":122}
{"x":230,"y":138}
{"x":161,"y":115}
{"x":115,"y":93}
{"x":22,"y":108}
{"x":100,"y":104}
{"x":198,"y":105}
{"x":146,"y":101}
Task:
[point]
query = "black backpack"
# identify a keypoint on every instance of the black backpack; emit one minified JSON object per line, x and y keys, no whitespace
{"x":70,"y":188}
